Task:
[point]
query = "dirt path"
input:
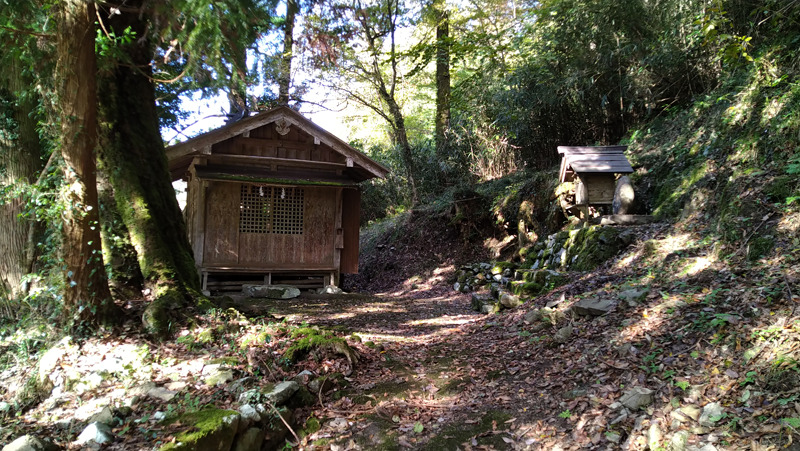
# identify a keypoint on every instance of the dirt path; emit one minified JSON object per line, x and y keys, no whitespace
{"x":442,"y":377}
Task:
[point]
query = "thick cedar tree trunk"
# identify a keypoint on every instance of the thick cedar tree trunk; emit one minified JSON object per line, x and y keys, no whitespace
{"x":86,"y":295}
{"x":442,"y":120}
{"x":21,"y":164}
{"x":285,"y":80}
{"x":132,"y":154}
{"x":124,"y":277}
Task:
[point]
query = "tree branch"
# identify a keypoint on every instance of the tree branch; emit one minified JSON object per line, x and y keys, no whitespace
{"x":29,"y":33}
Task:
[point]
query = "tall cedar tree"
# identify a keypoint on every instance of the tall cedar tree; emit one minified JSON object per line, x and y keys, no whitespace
{"x":21,"y":149}
{"x":285,"y":75}
{"x":87,"y":296}
{"x":442,"y":120}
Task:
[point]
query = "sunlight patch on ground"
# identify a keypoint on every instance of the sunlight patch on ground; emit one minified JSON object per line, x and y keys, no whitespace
{"x":674,"y":243}
{"x":388,"y":338}
{"x":790,"y":224}
{"x":443,"y":271}
{"x":699,"y":264}
{"x":652,"y":318}
{"x":441,"y":321}
{"x":626,"y":262}
{"x":343,"y":316}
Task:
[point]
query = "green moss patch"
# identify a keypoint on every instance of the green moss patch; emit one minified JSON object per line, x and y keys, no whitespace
{"x":207,"y":429}
{"x":310,"y":339}
{"x":454,"y":435}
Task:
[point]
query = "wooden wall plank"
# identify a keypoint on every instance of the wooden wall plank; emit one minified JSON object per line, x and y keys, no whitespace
{"x":319,"y":225}
{"x":600,"y":187}
{"x":351,"y":209}
{"x":222,"y":224}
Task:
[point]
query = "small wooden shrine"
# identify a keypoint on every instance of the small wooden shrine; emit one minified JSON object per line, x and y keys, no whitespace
{"x":592,"y":171}
{"x":272,"y":198}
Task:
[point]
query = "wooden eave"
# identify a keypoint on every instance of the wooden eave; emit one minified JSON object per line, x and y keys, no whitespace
{"x":592,"y":159}
{"x":293,"y":177}
{"x":180,"y":155}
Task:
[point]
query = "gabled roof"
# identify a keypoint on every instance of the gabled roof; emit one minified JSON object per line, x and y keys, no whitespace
{"x":592,"y":159}
{"x":181,"y":155}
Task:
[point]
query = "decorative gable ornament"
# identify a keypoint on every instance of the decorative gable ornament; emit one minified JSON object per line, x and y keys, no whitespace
{"x":282,"y":126}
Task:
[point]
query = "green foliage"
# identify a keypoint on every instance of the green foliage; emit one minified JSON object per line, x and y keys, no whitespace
{"x":792,"y":422}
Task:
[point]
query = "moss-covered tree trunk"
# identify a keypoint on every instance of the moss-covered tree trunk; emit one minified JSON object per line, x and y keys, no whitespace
{"x":132,"y":153}
{"x":86,"y":295}
{"x":124,"y":276}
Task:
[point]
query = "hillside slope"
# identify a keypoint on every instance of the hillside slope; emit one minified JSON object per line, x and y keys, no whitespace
{"x":714,"y":336}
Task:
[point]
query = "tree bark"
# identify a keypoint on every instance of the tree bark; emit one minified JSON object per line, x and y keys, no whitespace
{"x":398,"y":124}
{"x":21,"y":151}
{"x":133,"y":158}
{"x":86,"y":295}
{"x":442,"y":120}
{"x":285,"y":77}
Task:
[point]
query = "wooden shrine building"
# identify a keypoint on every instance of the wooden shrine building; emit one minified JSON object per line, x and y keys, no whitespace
{"x":272,"y":198}
{"x":593,"y":171}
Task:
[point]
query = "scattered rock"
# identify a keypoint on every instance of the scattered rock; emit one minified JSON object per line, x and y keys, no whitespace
{"x":49,"y":361}
{"x":563,"y":335}
{"x":325,"y":383}
{"x":575,"y":393}
{"x":277,"y":396}
{"x":693,"y":412}
{"x":508,"y":300}
{"x":624,"y":349}
{"x":162,"y":393}
{"x":30,"y":443}
{"x":217,"y":374}
{"x":270,"y":291}
{"x":95,"y":432}
{"x":636,"y":398}
{"x":613,"y":437}
{"x":633,"y":295}
{"x":249,"y":414}
{"x":250,"y":440}
{"x":654,"y":437}
{"x":140,"y":390}
{"x":176,"y":385}
{"x":623,"y":196}
{"x":706,"y":447}
{"x":479,"y":299}
{"x":303,"y":377}
{"x":210,"y":429}
{"x":105,"y":416}
{"x":679,"y":441}
{"x":330,"y":289}
{"x":712,"y":413}
{"x":338,"y":424}
{"x":593,"y":307}
{"x":491,"y":308}
{"x":532,"y":316}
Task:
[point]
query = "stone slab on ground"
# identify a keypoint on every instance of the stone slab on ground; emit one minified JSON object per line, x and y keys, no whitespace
{"x":30,"y":443}
{"x":593,"y":306}
{"x":636,"y":398}
{"x":627,"y":219}
{"x":270,"y":291}
{"x":95,"y":432}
